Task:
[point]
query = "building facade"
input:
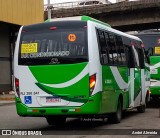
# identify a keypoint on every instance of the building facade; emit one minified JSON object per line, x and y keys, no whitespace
{"x":14,"y":14}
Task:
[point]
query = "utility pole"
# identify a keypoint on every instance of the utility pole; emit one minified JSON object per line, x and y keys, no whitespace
{"x":49,"y":10}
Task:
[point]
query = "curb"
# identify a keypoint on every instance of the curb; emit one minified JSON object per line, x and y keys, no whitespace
{"x":4,"y":104}
{"x":7,"y":99}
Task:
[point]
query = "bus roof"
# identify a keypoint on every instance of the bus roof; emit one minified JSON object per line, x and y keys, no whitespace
{"x":82,"y":18}
{"x":87,"y":18}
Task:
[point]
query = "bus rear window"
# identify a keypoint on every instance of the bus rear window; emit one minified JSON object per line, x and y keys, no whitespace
{"x":53,"y":46}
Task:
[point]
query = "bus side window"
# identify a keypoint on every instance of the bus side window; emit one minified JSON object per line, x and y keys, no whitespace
{"x":141,"y":57}
{"x":125,"y":55}
{"x":120,"y":50}
{"x":103,"y":47}
{"x":113,"y":56}
{"x":109,"y":48}
{"x":129,"y":56}
{"x":146,"y":56}
{"x":135,"y":56}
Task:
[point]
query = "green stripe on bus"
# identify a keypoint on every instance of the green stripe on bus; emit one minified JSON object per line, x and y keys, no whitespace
{"x":64,"y":97}
{"x":86,"y":18}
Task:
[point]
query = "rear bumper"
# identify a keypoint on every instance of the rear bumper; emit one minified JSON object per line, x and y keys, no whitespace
{"x":91,"y":107}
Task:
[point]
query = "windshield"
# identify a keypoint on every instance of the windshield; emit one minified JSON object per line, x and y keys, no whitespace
{"x":53,"y":46}
{"x":151,"y":41}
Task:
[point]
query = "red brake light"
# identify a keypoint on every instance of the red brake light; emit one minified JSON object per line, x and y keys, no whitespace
{"x":17,"y":86}
{"x":92,"y":82}
{"x":17,"y":82}
{"x":53,"y":28}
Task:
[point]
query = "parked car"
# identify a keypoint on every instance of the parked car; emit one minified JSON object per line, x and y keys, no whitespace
{"x":86,"y":3}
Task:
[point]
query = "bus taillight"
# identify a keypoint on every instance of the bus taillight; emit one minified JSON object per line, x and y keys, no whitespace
{"x":92,"y":82}
{"x":53,"y":28}
{"x":17,"y":86}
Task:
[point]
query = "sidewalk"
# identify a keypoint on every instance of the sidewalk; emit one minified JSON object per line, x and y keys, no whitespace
{"x":7,"y":98}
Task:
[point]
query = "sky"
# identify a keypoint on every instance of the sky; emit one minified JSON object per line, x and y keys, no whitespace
{"x":61,"y":1}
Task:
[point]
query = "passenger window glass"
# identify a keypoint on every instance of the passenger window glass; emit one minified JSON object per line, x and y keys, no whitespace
{"x":126,"y":55}
{"x":109,"y":51}
{"x":135,"y":53}
{"x":120,"y":50}
{"x":82,"y":3}
{"x":89,"y":3}
{"x":141,"y":57}
{"x":103,"y":47}
{"x":95,"y":2}
{"x":113,"y":48}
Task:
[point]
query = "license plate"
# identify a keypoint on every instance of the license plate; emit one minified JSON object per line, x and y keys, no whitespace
{"x":53,"y":99}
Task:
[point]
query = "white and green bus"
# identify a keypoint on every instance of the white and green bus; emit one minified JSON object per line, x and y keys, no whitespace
{"x":78,"y":68}
{"x":151,"y":40}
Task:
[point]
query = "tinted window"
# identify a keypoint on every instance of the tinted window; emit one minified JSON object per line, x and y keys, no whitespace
{"x":95,"y":2}
{"x":112,"y":51}
{"x":109,"y":48}
{"x":103,"y":47}
{"x":120,"y":50}
{"x":89,"y":3}
{"x":66,"y":45}
{"x":135,"y":57}
{"x":141,"y":55}
{"x":82,"y":3}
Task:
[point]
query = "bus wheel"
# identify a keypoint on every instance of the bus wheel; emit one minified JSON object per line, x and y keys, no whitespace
{"x":56,"y":120}
{"x":117,"y":116}
{"x":141,"y":109}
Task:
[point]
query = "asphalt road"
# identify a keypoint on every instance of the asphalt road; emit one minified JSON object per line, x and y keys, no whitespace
{"x":73,"y":128}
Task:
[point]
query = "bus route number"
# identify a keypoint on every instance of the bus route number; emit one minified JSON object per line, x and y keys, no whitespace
{"x":72,"y":37}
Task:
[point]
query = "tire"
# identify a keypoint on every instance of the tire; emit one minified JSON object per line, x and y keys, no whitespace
{"x":154,"y":102}
{"x":141,"y":109}
{"x":117,"y":116}
{"x":56,"y":120}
